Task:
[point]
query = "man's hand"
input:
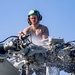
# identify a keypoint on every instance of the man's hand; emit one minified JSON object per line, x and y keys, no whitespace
{"x":20,"y":33}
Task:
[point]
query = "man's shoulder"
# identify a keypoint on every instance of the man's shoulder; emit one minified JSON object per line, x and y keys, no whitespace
{"x":43,"y":26}
{"x":28,"y":27}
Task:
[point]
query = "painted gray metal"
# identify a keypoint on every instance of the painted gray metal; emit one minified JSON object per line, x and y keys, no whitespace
{"x":6,"y":68}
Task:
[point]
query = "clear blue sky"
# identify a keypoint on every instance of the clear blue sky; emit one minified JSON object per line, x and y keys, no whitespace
{"x":58,"y":16}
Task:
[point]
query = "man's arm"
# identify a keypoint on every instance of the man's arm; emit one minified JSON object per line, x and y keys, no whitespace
{"x":25,"y":31}
{"x":45,"y":33}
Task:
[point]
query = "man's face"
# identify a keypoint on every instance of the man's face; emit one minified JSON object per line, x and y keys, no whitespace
{"x":33,"y":19}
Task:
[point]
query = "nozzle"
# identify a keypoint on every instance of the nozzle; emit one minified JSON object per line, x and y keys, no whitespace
{"x":25,"y":36}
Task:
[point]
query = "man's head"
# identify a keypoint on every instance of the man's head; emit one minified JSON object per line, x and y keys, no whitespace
{"x":34,"y":17}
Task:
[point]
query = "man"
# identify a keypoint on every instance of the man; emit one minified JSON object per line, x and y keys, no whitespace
{"x":38,"y":31}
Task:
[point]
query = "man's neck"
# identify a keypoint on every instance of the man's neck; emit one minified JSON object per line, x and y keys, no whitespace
{"x":35,"y":26}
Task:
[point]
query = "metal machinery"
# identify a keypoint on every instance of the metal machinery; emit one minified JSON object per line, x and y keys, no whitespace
{"x":51,"y":52}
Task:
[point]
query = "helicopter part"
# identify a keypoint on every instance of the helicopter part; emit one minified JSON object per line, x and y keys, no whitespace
{"x":52,"y":52}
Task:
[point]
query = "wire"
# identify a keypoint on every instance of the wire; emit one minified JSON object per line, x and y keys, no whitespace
{"x":8,"y":38}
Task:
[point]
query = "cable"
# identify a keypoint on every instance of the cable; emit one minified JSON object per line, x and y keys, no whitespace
{"x":8,"y":38}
